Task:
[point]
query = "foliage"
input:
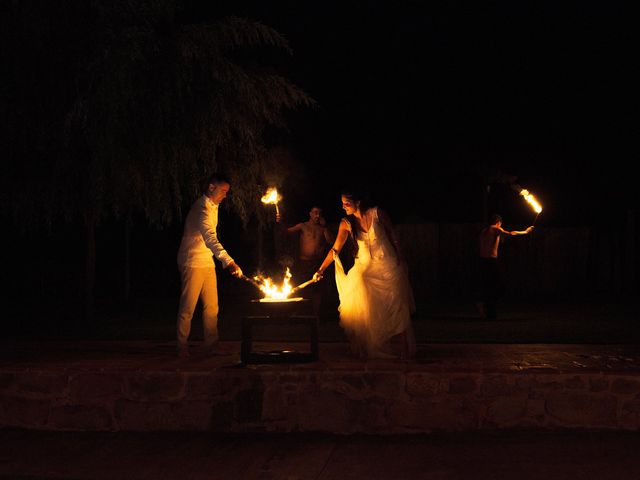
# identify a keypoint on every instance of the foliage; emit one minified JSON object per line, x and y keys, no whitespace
{"x":145,"y":108}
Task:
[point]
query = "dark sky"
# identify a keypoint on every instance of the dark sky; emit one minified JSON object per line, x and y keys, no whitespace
{"x":543,"y":91}
{"x":424,"y":104}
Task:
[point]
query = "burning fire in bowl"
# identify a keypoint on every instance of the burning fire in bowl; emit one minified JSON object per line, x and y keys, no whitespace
{"x":278,"y":298}
{"x":274,"y":293}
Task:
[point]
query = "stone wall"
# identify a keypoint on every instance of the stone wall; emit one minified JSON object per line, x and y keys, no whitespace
{"x":306,"y":400}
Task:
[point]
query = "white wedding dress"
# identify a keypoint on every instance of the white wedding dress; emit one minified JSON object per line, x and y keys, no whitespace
{"x":376,"y":301}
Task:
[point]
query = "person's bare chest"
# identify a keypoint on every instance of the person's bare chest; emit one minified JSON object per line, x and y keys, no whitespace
{"x":312,"y":231}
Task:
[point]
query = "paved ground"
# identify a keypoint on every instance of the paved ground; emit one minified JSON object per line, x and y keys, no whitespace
{"x":26,"y":455}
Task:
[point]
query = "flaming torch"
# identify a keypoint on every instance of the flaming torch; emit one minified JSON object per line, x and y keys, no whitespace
{"x":303,"y":285}
{"x":272,"y":197}
{"x":531,"y":200}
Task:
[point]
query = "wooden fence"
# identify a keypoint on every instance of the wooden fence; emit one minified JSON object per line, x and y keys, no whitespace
{"x":560,"y":263}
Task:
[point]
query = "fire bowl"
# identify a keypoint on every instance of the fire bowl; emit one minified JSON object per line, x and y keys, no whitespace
{"x":280,"y":308}
{"x":284,"y":300}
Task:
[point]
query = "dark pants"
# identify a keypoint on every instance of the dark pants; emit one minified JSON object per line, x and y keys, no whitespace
{"x":490,"y":285}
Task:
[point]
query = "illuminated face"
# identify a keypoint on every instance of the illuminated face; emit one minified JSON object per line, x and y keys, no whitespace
{"x":315,"y":214}
{"x":218,"y":192}
{"x":349,"y":206}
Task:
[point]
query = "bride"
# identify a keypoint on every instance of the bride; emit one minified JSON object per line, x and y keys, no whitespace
{"x":376,"y":301}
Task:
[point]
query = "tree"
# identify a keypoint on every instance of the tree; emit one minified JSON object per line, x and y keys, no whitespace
{"x":142,"y":107}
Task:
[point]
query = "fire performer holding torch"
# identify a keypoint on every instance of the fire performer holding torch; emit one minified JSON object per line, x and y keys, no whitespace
{"x":490,"y":278}
{"x":197,"y":269}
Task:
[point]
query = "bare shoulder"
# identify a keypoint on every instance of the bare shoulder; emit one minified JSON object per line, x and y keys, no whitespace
{"x":344,"y":225}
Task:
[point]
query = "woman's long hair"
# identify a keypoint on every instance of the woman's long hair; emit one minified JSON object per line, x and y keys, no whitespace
{"x":354,"y":197}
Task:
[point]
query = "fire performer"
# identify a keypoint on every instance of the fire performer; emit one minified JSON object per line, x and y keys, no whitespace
{"x":197,"y":269}
{"x":490,"y":278}
{"x":314,"y":241}
{"x":376,"y":301}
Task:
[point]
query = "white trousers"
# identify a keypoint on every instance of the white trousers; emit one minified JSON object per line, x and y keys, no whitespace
{"x":198,"y":283}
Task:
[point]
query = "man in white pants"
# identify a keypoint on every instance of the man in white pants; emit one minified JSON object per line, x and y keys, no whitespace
{"x":197,"y":269}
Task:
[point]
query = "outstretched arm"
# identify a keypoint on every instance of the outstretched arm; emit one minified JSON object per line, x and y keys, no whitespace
{"x":341,"y":238}
{"x":296,"y":228}
{"x":513,"y":233}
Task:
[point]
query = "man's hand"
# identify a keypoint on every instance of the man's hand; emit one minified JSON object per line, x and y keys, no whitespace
{"x":317,"y":276}
{"x":234,"y":269}
{"x":278,"y":217}
{"x":529,"y":229}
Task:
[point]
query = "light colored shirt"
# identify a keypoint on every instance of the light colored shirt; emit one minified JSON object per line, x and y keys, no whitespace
{"x":200,"y":238}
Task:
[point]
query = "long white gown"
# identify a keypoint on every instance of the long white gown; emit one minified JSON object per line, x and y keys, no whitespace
{"x":376,"y":300}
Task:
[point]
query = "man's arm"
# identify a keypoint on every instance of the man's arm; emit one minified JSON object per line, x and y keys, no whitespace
{"x":210,"y":236}
{"x":343,"y":234}
{"x":513,"y":233}
{"x":295,"y":228}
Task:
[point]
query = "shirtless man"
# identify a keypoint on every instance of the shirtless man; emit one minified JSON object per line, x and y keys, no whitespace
{"x":314,"y":242}
{"x":490,"y":281}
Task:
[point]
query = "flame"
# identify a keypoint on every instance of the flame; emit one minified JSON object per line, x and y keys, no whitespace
{"x":273,"y":291}
{"x":271,"y":196}
{"x":531,"y":200}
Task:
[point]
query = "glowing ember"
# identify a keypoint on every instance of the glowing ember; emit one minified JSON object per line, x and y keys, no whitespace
{"x":272,"y":291}
{"x":531,"y":200}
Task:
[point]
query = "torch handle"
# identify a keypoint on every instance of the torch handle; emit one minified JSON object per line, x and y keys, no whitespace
{"x":277,"y":209}
{"x":302,"y":285}
{"x":250,"y":280}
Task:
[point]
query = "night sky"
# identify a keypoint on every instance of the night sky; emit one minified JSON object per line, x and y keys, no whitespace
{"x":544,"y":92}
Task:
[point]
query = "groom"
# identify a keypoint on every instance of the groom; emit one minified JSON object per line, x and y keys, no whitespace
{"x":199,"y":245}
